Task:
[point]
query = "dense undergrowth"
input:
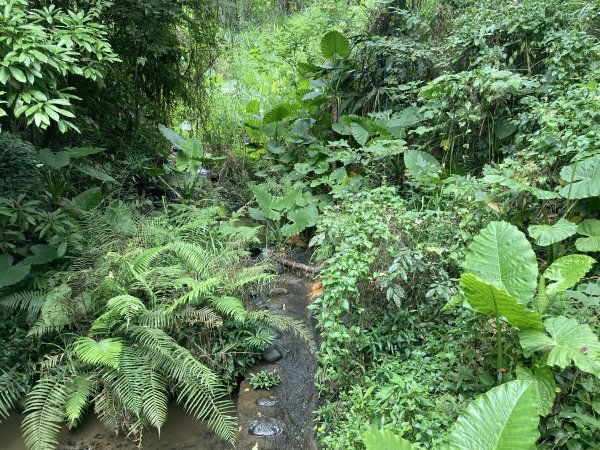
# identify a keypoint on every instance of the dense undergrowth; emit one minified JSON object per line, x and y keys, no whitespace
{"x":440,"y":158}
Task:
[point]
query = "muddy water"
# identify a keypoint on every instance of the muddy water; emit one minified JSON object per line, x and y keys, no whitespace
{"x":181,"y":432}
{"x":283,"y":417}
{"x":285,"y":411}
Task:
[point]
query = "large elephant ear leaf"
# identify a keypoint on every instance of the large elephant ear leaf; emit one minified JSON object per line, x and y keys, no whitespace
{"x":385,"y":440}
{"x":569,"y":342}
{"x":11,"y":274}
{"x":504,"y":418}
{"x":302,"y":219}
{"x":591,"y":229}
{"x":422,"y":166}
{"x":566,"y":272}
{"x":582,"y":178}
{"x":335,"y":43}
{"x":501,"y":255}
{"x":489,"y":300}
{"x":545,"y":386}
{"x":551,"y":234}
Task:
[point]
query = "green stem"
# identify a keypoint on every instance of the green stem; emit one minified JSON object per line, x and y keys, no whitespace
{"x":500,"y":356}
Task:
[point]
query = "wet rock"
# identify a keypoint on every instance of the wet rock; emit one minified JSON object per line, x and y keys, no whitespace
{"x":267,"y":402}
{"x":264,"y":426}
{"x":278,"y":292}
{"x":271,"y":355}
{"x":274,"y":306}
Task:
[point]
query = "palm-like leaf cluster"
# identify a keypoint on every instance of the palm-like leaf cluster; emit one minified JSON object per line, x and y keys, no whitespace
{"x":141,"y":306}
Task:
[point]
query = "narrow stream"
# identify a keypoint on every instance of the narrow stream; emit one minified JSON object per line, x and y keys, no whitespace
{"x":279,"y":419}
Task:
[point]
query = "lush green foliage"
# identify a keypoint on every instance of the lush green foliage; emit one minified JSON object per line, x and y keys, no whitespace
{"x":265,"y":380}
{"x":434,"y":153}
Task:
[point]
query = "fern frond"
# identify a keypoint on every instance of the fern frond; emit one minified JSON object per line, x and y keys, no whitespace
{"x":13,"y":384}
{"x":249,"y":277}
{"x":156,"y":400}
{"x":128,"y":382}
{"x":108,"y":409}
{"x":197,"y":259}
{"x":140,"y":262}
{"x":40,"y":328}
{"x":219,"y":413}
{"x":229,"y":306}
{"x":158,"y":318}
{"x":104,"y":352}
{"x":30,"y":301}
{"x":198,"y":290}
{"x":241,"y":234}
{"x":51,"y":361}
{"x":126,"y":306}
{"x":45,"y":412}
{"x":283,"y":323}
{"x":80,"y":389}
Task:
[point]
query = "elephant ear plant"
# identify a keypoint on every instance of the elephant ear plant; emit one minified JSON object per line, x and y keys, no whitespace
{"x":501,"y":280}
{"x":502,"y":418}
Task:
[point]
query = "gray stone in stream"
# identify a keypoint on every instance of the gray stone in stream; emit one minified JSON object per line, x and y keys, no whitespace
{"x":267,"y":402}
{"x":278,"y":292}
{"x":271,"y":355}
{"x":274,"y":306}
{"x":264,"y":426}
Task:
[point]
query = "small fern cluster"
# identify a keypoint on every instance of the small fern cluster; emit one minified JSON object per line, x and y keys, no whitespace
{"x":137,"y":320}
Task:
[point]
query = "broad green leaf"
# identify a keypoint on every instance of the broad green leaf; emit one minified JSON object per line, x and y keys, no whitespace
{"x":569,"y":342}
{"x":302,"y":219}
{"x":519,"y":186}
{"x":491,"y":301}
{"x":591,"y":229}
{"x":385,"y":440}
{"x":566,"y":272}
{"x":104,"y":352}
{"x":42,"y":254}
{"x":501,"y":255}
{"x":268,"y":203}
{"x":359,"y":133}
{"x":277,"y":114}
{"x":54,"y":311}
{"x":504,"y":418}
{"x":54,"y":161}
{"x":550,"y":234}
{"x":88,"y":200}
{"x":545,"y":386}
{"x":18,"y":74}
{"x":193,"y":148}
{"x":422,"y":165}
{"x":96,"y":174}
{"x":174,"y":138}
{"x":335,"y":43}
{"x":583,"y":179}
{"x":11,"y":274}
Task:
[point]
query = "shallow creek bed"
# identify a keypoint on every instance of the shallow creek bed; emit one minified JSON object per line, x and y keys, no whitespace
{"x":278,"y":419}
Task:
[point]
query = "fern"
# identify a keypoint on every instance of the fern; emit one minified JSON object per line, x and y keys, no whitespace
{"x":229,"y":306}
{"x":30,"y":301}
{"x":156,"y":400}
{"x":284,"y":323}
{"x":12,"y":386}
{"x":105,"y":352}
{"x":45,"y":412}
{"x":198,"y":290}
{"x":80,"y":389}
